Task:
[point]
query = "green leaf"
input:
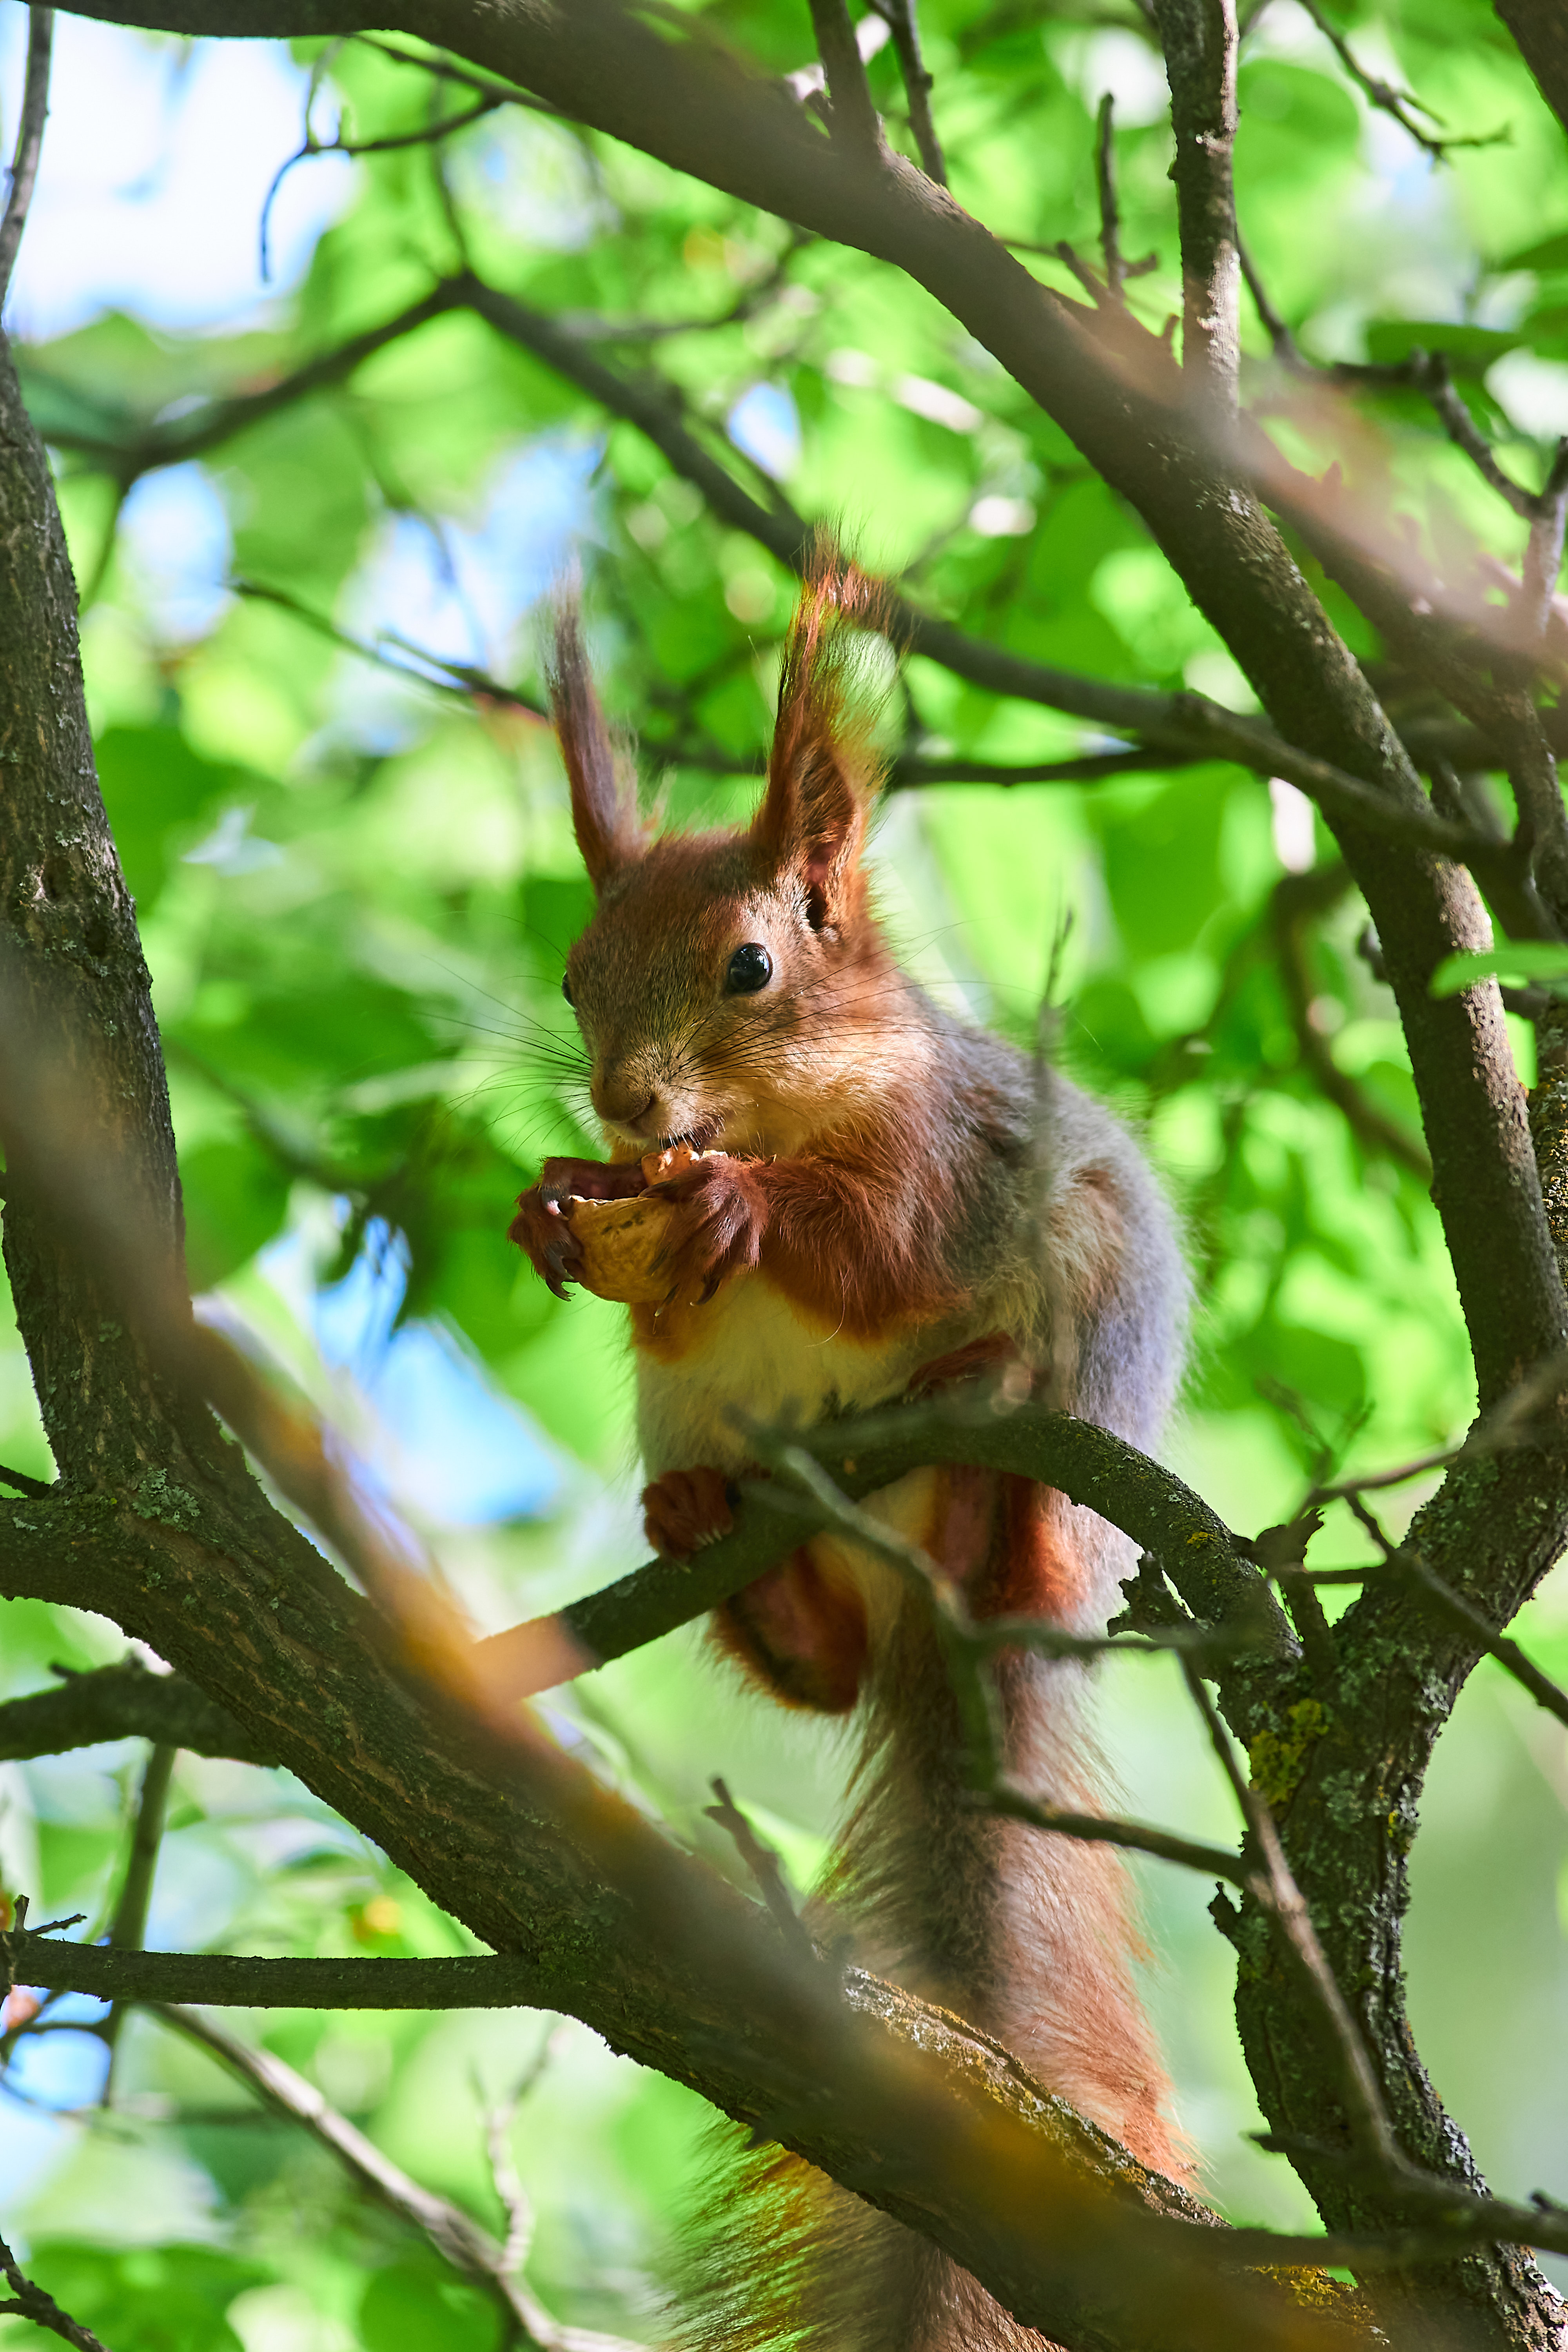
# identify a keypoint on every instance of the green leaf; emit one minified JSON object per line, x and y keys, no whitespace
{"x":235,"y":1197}
{"x":1550,"y":253}
{"x":1521,"y":960}
{"x":1472,"y":348}
{"x":410,"y":2307}
{"x":156,"y":789}
{"x":147,"y":2298}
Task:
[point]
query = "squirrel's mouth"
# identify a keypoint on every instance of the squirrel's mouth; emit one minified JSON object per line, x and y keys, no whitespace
{"x":696,"y":1139}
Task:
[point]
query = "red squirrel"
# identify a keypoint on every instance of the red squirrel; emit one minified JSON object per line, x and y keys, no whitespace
{"x":880,"y":1213}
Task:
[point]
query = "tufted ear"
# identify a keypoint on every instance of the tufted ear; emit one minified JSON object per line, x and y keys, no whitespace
{"x":822,"y":773}
{"x":604,"y":800}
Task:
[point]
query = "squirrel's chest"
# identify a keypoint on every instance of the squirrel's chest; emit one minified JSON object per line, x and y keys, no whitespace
{"x":750,"y":1356}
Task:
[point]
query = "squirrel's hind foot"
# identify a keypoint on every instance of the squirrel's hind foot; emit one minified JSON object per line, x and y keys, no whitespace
{"x":687,"y":1508}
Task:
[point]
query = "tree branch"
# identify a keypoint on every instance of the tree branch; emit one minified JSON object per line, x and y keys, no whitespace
{"x":1211,"y":1570}
{"x":1543,"y":37}
{"x":853,"y":117}
{"x":459,"y":2239}
{"x":1177,"y":727}
{"x":172,"y":442}
{"x":30,"y":2301}
{"x":898,"y":15}
{"x":29,"y":141}
{"x":1398,"y":103}
{"x":122,"y":1702}
{"x":1199,"y":39}
{"x":1294,"y":901}
{"x":128,"y":1928}
{"x":671,"y":89}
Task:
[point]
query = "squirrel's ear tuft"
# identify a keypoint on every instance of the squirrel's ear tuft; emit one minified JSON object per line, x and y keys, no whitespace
{"x":603,"y":798}
{"x":823,"y":771}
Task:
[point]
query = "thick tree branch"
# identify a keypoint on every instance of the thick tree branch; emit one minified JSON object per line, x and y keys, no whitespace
{"x":1542,"y":32}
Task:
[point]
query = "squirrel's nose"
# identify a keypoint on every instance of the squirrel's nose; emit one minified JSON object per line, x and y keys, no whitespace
{"x":628,"y":1103}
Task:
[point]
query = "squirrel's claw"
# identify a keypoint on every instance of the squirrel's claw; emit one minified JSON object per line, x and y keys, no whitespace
{"x":539,"y":1227}
{"x":541,"y":1231}
{"x":719,"y":1217}
{"x":687,"y":1508}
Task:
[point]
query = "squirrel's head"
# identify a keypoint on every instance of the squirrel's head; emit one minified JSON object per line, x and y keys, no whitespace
{"x":730,"y":986}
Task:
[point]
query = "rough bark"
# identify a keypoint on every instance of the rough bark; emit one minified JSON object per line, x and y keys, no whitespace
{"x":1347,"y":1770}
{"x":1540,"y":28}
{"x":123,"y":1702}
{"x":1199,"y":39}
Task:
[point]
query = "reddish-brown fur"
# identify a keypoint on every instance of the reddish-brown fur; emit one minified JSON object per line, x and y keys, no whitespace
{"x":883,"y":1221}
{"x":685,"y":1509}
{"x":850,"y":1238}
{"x":802,"y":1633}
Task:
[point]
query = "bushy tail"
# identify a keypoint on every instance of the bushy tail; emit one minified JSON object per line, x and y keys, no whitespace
{"x":1028,"y":1935}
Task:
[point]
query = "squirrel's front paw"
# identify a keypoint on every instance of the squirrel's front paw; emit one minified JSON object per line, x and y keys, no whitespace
{"x":686,"y":1508}
{"x":539,"y":1227}
{"x":720,"y":1214}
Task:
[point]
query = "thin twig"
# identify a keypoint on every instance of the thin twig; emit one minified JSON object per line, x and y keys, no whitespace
{"x":1401,"y":1560}
{"x":1543,"y":553}
{"x":458,"y":2239}
{"x":432,"y":134}
{"x":1286,"y":348}
{"x":511,"y":2195}
{"x":36,"y":1487}
{"x":1507,"y":1652}
{"x":29,"y":141}
{"x":1545,"y":511}
{"x":30,"y":2301}
{"x":1132,"y":1837}
{"x":898,"y":15}
{"x":447,"y":68}
{"x":1511,"y":1422}
{"x":460,"y":679}
{"x":848,"y":91}
{"x":1069,"y":255}
{"x":1105,"y":174}
{"x":764,"y":1864}
{"x":1295,"y":900}
{"x":1396,"y":102}
{"x":1274,"y":1886}
{"x":128,"y":1930}
{"x":1428,"y":371}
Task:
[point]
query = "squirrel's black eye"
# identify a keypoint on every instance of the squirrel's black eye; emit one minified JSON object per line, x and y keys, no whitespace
{"x":566,"y":989}
{"x":751,"y":967}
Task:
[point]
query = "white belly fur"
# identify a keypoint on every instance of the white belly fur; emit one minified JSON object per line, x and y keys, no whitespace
{"x":759,"y":1362}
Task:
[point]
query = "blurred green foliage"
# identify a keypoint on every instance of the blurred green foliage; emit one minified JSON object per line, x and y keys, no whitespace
{"x":356,"y":882}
